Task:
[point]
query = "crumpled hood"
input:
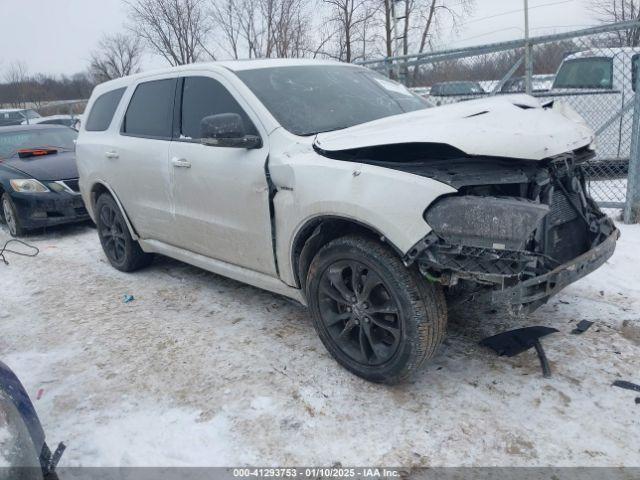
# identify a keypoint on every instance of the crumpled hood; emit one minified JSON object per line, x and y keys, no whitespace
{"x":58,"y":166}
{"x":513,"y":126}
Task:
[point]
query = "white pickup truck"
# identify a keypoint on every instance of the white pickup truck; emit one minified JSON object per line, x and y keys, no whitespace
{"x":599,"y":84}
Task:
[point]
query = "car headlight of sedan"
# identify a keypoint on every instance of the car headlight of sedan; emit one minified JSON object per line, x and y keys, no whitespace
{"x":28,"y":185}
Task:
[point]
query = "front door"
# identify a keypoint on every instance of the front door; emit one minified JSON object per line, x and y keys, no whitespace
{"x":221,"y":196}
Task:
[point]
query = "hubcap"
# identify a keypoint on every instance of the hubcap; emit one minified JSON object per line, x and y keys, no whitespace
{"x":8,"y":216}
{"x":112,"y":234}
{"x":359,"y":312}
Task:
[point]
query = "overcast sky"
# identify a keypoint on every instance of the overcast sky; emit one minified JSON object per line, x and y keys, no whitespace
{"x":56,"y":36}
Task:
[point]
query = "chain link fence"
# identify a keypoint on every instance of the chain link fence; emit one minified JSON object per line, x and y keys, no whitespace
{"x":592,"y":70}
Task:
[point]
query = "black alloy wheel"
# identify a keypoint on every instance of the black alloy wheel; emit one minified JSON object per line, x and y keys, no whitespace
{"x":376,"y":317}
{"x":122,"y":251}
{"x":359,"y":312}
{"x":112,"y":232}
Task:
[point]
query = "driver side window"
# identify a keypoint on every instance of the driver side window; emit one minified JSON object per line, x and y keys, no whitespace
{"x":204,"y":96}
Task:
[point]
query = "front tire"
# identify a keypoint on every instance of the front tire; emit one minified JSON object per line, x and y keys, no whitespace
{"x":377,"y":318}
{"x":10,"y":216}
{"x":122,"y":251}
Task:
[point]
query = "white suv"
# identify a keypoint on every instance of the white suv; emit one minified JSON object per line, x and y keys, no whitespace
{"x":339,"y":188}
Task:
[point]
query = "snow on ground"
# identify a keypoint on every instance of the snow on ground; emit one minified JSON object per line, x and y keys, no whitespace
{"x":202,"y":370}
{"x":5,"y":446}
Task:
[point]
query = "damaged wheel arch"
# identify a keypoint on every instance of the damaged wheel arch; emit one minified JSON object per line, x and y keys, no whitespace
{"x":319,"y":231}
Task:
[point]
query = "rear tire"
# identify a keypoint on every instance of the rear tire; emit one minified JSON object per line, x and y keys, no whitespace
{"x":381,"y":323}
{"x":122,"y":251}
{"x":10,"y":216}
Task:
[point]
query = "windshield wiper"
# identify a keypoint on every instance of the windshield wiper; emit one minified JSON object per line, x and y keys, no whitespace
{"x":329,"y":130}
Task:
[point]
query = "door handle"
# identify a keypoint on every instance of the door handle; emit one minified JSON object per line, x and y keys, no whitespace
{"x":111,"y":154}
{"x":181,"y":162}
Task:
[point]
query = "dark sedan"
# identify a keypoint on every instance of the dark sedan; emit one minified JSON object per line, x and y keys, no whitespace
{"x":39,"y":177}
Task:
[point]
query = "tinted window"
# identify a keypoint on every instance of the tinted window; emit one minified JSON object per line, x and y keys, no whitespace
{"x":201,"y":97}
{"x":591,"y":72}
{"x":635,"y":63}
{"x":103,"y":109}
{"x":150,"y":112}
{"x":311,"y":99}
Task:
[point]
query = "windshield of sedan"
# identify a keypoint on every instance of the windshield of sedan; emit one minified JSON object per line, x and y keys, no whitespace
{"x":58,"y":138}
{"x":311,"y":99}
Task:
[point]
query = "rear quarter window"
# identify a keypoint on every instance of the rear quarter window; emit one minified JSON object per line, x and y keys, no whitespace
{"x":150,"y":111}
{"x":103,"y":109}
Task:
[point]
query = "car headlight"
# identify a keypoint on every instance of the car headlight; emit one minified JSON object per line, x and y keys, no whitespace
{"x":56,"y":187}
{"x":28,"y":185}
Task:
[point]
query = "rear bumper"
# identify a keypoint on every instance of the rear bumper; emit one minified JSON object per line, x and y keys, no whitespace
{"x":47,"y":209}
{"x":535,"y":291}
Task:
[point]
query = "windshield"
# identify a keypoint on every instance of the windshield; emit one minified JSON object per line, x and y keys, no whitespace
{"x":456,"y":88}
{"x":591,"y":72}
{"x":60,"y":138}
{"x":311,"y":99}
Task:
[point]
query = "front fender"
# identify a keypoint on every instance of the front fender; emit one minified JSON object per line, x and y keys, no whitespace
{"x":388,"y":201}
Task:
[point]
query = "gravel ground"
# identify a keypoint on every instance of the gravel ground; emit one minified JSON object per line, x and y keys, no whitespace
{"x":202,"y":370}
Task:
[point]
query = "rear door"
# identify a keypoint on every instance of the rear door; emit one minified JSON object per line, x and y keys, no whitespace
{"x":142,"y":181}
{"x":221,"y":194}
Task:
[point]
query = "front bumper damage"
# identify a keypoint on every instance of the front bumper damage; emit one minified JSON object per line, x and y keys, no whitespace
{"x":519,"y":242}
{"x":535,"y":291}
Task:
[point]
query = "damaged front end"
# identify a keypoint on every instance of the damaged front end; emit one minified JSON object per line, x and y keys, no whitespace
{"x":521,"y":230}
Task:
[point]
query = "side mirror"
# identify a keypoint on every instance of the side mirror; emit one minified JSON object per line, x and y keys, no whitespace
{"x":227,"y":130}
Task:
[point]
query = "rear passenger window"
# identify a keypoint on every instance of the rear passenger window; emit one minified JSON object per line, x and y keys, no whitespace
{"x":103,"y":109}
{"x":203,"y":96}
{"x":150,"y":111}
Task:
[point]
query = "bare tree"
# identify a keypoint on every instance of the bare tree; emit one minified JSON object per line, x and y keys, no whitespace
{"x":225,"y":17}
{"x":429,"y":18}
{"x":263,"y":28}
{"x":117,"y":56}
{"x":348,"y":18}
{"x":177,"y":30}
{"x":286,"y":28}
{"x":610,"y":11}
{"x":16,"y":77}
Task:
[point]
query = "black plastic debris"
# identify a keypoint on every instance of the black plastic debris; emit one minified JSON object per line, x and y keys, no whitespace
{"x":627,"y":385}
{"x":514,"y":342}
{"x":637,"y":400}
{"x":583,"y":326}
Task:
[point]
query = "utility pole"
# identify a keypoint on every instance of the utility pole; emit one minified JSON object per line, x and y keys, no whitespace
{"x":396,"y":40}
{"x":528,"y":60}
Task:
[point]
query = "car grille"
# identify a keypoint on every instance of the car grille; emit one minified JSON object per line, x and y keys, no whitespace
{"x":73,"y":184}
{"x":562,"y":210}
{"x":567,"y":234}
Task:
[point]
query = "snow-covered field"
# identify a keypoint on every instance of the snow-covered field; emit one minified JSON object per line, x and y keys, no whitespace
{"x":202,"y":370}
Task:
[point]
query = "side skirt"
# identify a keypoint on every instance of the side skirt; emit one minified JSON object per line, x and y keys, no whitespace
{"x":256,"y":279}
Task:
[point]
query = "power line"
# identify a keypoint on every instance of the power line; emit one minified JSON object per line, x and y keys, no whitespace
{"x":509,"y":12}
{"x":516,"y":28}
{"x":520,"y":10}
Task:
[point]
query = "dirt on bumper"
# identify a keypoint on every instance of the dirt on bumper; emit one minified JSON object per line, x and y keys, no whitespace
{"x":48,"y":209}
